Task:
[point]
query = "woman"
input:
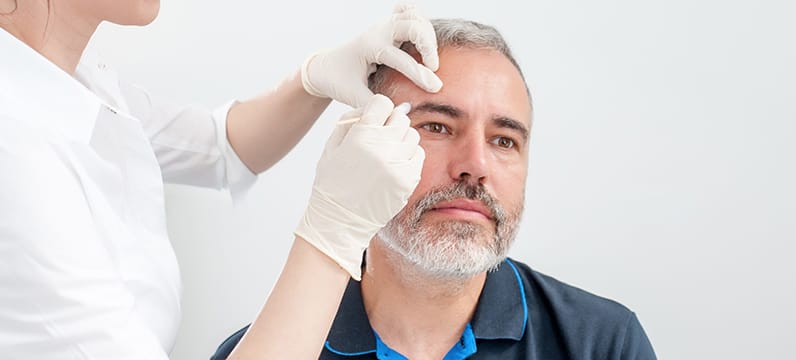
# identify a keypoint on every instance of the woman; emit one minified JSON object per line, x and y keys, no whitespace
{"x":86,"y":269}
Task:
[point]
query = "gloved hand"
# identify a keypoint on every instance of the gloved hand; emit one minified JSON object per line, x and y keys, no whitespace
{"x":364,"y":178}
{"x":342,"y":73}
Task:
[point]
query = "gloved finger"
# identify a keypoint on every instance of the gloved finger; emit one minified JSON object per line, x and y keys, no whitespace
{"x":421,"y":33}
{"x":405,"y":64}
{"x":359,"y":95}
{"x":338,"y":134}
{"x":394,"y":128}
{"x":351,"y":114}
{"x":398,"y":121}
{"x":401,"y":121}
{"x":408,"y":15}
{"x":398,"y":153}
{"x":417,"y":161}
{"x":412,"y":136}
{"x":376,"y":111}
{"x":395,"y":150}
{"x":419,"y":156}
{"x":343,"y":127}
{"x":398,"y":117}
{"x":411,"y":143}
{"x":403,"y":7}
{"x":411,"y":169}
{"x":367,"y":135}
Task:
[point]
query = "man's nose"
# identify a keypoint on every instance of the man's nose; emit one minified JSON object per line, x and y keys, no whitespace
{"x":469,"y":160}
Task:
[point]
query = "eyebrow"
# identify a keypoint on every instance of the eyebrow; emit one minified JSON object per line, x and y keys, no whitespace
{"x":454,"y":112}
{"x":432,"y":107}
{"x":510,"y":123}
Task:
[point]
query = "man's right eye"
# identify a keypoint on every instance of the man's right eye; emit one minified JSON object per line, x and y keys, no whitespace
{"x":435,"y":128}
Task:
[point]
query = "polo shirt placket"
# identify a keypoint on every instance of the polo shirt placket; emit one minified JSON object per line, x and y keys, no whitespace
{"x":501,"y":314}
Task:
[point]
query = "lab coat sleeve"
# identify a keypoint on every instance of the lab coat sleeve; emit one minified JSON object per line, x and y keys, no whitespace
{"x":56,"y":302}
{"x":190,"y":143}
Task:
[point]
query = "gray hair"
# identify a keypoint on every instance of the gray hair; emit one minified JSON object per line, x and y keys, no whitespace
{"x":455,"y":33}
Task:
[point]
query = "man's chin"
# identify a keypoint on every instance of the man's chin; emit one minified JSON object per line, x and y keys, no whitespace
{"x":461,"y":270}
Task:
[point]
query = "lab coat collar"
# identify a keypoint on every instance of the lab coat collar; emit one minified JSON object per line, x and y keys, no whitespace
{"x":34,"y":90}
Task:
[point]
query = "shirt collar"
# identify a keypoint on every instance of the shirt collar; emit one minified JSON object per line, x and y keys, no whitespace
{"x":36,"y":91}
{"x":351,"y":333}
{"x":501,"y":313}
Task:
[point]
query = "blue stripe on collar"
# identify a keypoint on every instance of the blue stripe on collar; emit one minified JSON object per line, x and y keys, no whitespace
{"x":338,"y":352}
{"x":522,"y":295}
{"x":502,"y":311}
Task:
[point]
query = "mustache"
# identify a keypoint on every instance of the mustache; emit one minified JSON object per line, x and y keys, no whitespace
{"x":460,"y":190}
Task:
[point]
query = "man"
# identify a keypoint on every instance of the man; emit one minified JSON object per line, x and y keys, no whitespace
{"x":436,"y":282}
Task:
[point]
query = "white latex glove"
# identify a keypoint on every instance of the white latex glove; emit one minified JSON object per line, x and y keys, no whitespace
{"x":342,"y":73}
{"x":363,"y":179}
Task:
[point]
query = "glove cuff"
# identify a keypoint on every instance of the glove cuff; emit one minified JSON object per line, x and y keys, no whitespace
{"x":338,"y":233}
{"x":342,"y":246}
{"x":305,"y":78}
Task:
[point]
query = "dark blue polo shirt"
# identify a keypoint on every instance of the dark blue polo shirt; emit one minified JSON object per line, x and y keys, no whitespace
{"x":521,"y":314}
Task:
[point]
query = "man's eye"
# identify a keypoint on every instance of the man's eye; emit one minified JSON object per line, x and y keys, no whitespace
{"x":435,"y":128}
{"x":503,"y":142}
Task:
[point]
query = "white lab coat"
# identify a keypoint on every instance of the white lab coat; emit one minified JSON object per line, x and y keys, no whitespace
{"x":86,"y":268}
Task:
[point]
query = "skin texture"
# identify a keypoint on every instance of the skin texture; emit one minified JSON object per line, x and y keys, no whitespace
{"x":476,"y":128}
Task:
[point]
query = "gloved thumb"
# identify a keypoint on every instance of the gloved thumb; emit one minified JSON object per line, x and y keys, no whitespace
{"x":406,"y":64}
{"x":359,"y":97}
{"x":377,"y":111}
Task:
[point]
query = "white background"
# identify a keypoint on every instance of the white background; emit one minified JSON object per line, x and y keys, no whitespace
{"x":662,"y":163}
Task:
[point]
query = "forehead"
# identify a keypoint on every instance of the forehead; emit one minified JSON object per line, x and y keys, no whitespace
{"x":480,"y":82}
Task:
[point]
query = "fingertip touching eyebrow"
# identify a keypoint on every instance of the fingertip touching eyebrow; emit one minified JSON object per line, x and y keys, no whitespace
{"x":454,"y":112}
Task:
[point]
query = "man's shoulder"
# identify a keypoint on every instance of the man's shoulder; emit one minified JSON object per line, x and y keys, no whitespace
{"x":568,"y":301}
{"x":567,"y":319}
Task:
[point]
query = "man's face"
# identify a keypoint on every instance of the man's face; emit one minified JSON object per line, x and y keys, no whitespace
{"x":463,"y":215}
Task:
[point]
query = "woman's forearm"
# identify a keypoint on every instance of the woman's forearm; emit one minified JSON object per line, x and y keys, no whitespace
{"x":262,"y":130}
{"x":296,"y":318}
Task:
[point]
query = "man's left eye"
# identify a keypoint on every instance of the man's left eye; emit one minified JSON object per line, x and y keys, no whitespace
{"x":436,"y":128}
{"x":503,"y":142}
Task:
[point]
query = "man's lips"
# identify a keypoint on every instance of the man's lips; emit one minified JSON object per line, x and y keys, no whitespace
{"x":464,"y":207}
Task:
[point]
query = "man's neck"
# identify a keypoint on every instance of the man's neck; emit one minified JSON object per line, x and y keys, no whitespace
{"x":420,"y":317}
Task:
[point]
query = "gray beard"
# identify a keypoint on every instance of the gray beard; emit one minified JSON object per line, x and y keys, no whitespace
{"x":449,"y":250}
